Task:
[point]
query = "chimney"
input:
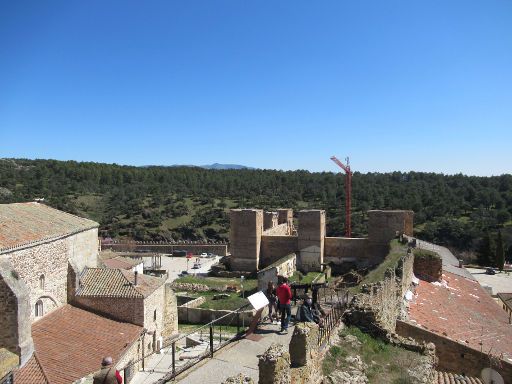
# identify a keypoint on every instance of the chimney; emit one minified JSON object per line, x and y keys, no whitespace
{"x":461,"y":263}
{"x":136,"y":277}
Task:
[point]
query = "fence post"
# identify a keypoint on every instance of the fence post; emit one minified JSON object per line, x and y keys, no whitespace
{"x":173,"y":359}
{"x":211,"y":341}
{"x":238,"y":322}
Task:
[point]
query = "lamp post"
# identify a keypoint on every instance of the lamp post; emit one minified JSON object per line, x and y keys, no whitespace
{"x":242,"y":278}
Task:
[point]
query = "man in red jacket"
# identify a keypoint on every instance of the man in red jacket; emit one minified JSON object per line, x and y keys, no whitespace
{"x":284,"y":294}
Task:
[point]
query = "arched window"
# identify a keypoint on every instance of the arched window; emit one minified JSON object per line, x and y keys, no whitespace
{"x":39,"y":308}
{"x":41,"y":282}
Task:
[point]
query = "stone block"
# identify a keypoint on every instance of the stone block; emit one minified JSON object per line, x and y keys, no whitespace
{"x":303,"y":345}
{"x":274,"y":366}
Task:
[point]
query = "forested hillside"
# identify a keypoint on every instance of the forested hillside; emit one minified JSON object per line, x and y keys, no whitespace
{"x":158,"y":203}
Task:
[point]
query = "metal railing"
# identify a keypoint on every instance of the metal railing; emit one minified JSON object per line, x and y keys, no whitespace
{"x":208,"y":339}
{"x":330,"y":322}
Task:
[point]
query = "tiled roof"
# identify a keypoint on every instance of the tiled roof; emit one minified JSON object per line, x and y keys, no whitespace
{"x":121,"y":262}
{"x":26,"y":224}
{"x":106,"y":282}
{"x":452,"y":378}
{"x":462,"y":311}
{"x":70,"y":343}
{"x":31,"y":373}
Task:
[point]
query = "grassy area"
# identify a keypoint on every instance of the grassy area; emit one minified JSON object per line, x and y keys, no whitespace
{"x":306,"y":279}
{"x":386,"y":363}
{"x":396,"y":251}
{"x":234,"y":301}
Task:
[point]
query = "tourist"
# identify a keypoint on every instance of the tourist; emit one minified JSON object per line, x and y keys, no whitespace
{"x":107,"y":374}
{"x":307,"y":313}
{"x":284,"y":293}
{"x":272,"y":302}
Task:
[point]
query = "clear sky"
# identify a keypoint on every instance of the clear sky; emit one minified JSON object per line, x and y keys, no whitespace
{"x":396,"y":85}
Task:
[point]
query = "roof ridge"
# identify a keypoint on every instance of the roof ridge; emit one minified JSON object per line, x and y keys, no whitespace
{"x":41,"y":368}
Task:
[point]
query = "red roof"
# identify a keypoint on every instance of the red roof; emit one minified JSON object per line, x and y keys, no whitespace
{"x":70,"y":343}
{"x":462,"y":311}
{"x":121,"y":263}
{"x":26,"y":224}
{"x":31,"y":373}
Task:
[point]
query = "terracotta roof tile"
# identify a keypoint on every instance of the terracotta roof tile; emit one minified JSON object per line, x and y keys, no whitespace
{"x":452,"y":378}
{"x":121,"y":262}
{"x":70,"y":343}
{"x":106,"y":282}
{"x":25,"y":224}
{"x":462,"y":311}
{"x":31,"y":373}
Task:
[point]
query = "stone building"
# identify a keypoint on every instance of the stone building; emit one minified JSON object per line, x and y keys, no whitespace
{"x":258,"y":239}
{"x":130,"y":297}
{"x":39,"y":248}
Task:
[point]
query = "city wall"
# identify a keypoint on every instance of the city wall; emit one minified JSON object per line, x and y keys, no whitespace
{"x":196,"y":249}
{"x":274,"y":248}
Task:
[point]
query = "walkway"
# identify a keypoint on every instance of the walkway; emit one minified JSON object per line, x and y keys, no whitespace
{"x":239,"y":357}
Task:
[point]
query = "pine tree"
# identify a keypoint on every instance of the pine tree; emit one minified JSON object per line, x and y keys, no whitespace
{"x":486,"y":251}
{"x":500,"y":254}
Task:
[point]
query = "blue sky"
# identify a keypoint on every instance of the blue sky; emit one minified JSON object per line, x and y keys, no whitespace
{"x":395,"y":85}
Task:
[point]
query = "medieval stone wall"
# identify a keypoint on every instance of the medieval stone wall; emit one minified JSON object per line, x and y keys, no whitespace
{"x":379,"y":305}
{"x":245,"y":237}
{"x":427,"y":265}
{"x":278,"y":230}
{"x":383,"y":225}
{"x":270,"y":220}
{"x":274,"y":248}
{"x":154,"y":306}
{"x":454,"y":356}
{"x":196,"y":249}
{"x":311,"y":237}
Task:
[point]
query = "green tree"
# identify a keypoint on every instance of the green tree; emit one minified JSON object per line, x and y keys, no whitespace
{"x":486,"y":251}
{"x":500,"y":253}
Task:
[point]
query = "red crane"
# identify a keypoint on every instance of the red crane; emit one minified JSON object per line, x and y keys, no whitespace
{"x":348,"y":193}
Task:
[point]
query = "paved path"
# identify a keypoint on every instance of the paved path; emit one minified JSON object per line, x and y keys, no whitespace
{"x":500,"y":282}
{"x":242,"y":357}
{"x":238,"y":357}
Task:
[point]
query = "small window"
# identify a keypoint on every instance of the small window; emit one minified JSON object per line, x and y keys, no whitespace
{"x":41,"y":282}
{"x":154,"y":315}
{"x":39,"y":308}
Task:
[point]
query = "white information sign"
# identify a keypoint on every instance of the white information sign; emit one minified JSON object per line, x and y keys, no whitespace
{"x":258,"y":300}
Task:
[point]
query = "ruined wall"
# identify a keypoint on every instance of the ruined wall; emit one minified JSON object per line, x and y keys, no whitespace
{"x":270,"y":220}
{"x":285,"y":216}
{"x":453,"y":356}
{"x":278,"y":230}
{"x":274,"y":248}
{"x":120,"y":309}
{"x":245,"y":238}
{"x":428,"y":265}
{"x":285,"y":266}
{"x":311,"y":237}
{"x":15,"y":329}
{"x":274,"y":365}
{"x":383,"y":225}
{"x":379,"y":305}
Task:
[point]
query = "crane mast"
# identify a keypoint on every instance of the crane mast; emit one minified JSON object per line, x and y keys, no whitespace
{"x":348,"y":193}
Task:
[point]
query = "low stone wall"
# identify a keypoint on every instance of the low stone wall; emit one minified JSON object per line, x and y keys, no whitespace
{"x":379,"y":305}
{"x":196,"y":249}
{"x":454,"y":356}
{"x":194,"y":303}
{"x":360,"y":252}
{"x":274,"y":248}
{"x":203,"y":316}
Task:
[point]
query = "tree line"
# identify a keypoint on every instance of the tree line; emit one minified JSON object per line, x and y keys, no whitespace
{"x":160,"y":203}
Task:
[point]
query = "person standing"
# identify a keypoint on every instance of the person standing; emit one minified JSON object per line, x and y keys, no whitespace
{"x":284,"y":293}
{"x":272,"y":302}
{"x":107,"y":374}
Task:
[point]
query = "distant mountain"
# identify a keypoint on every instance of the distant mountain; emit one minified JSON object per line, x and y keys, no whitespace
{"x":225,"y":166}
{"x":210,"y":166}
